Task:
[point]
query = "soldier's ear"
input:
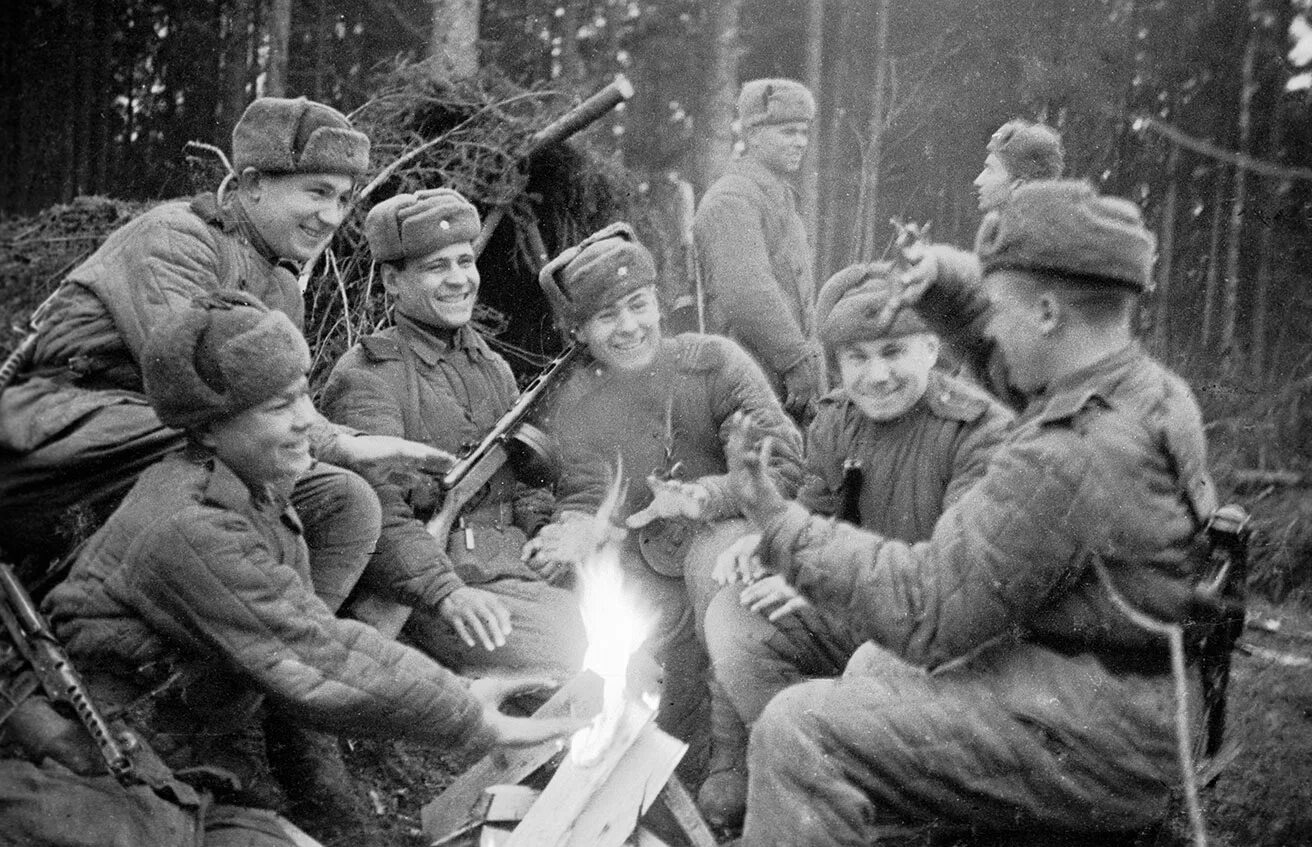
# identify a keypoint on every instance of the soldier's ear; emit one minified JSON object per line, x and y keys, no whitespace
{"x":387,"y":272}
{"x":251,"y":184}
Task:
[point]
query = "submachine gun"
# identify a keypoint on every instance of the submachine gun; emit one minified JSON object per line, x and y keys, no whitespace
{"x":512,"y":438}
{"x":31,"y":658}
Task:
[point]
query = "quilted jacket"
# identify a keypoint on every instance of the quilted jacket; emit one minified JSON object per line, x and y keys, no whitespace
{"x":193,"y":603}
{"x":756,"y":265}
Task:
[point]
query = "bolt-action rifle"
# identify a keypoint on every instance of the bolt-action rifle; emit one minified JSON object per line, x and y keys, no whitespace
{"x":41,"y":661}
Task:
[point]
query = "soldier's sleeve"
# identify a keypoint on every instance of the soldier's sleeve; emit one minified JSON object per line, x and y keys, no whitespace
{"x":821,"y":492}
{"x":736,"y":384}
{"x":735,"y":261}
{"x":994,"y":557}
{"x":210,"y":573}
{"x":408,"y":565}
{"x":974,"y":450}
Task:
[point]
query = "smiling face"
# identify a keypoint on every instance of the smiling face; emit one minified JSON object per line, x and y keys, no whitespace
{"x":994,"y":184}
{"x":296,"y":214}
{"x":886,"y":377}
{"x":438,"y":289}
{"x":626,"y":334}
{"x":779,"y":147}
{"x":268,"y":444}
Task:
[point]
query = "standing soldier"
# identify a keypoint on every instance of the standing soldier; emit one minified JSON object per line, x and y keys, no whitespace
{"x":432,"y":378}
{"x":193,"y":604}
{"x":755,"y":255}
{"x":1018,"y":152}
{"x":1003,"y":685}
{"x":663,"y":405}
{"x":892,"y":448}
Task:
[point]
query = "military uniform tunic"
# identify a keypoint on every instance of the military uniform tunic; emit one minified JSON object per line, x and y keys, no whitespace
{"x":1001,"y":687}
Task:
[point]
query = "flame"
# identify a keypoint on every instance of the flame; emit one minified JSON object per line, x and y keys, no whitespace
{"x":616,"y":623}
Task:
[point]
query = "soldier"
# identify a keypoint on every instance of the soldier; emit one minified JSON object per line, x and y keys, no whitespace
{"x":194,"y":603}
{"x":892,"y":448}
{"x":661,"y":404}
{"x":1019,"y":151}
{"x":753,"y":248}
{"x":432,"y":378}
{"x":76,"y":426}
{"x":1000,"y":685}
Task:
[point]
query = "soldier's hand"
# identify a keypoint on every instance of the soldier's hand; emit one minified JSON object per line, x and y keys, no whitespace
{"x":563,"y":544}
{"x":773,"y":597}
{"x":750,"y":481}
{"x":671,"y":499}
{"x":519,"y":732}
{"x":804,"y":384}
{"x":477,"y":616}
{"x":386,"y":453}
{"x":739,"y":562}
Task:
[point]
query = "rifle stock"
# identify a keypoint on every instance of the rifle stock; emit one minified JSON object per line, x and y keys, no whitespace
{"x":466,"y":477}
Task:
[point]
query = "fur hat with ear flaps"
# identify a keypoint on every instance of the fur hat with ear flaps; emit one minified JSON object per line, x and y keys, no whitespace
{"x":593,"y":274}
{"x":413,"y":225}
{"x":226,"y":353}
{"x":1064,"y":228}
{"x":279,"y":135}
{"x":859,"y":303}
{"x":1029,"y":150}
{"x":774,"y":101}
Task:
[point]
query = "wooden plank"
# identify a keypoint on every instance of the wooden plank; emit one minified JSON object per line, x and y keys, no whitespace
{"x":611,"y":815}
{"x":456,"y":806}
{"x":549,"y":822}
{"x":679,"y":803}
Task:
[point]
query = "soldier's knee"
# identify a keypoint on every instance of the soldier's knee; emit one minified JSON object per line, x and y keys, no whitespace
{"x":787,"y":731}
{"x":353,"y":501}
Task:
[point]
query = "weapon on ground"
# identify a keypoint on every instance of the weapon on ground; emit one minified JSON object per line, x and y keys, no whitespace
{"x":50,"y":666}
{"x":513,"y":434}
{"x":580,"y":117}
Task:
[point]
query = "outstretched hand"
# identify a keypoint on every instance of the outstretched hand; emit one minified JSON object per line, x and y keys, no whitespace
{"x":511,"y":731}
{"x":748,"y":455}
{"x":385,"y":453}
{"x":739,"y":562}
{"x":477,"y":616}
{"x":563,"y":544}
{"x":671,"y":499}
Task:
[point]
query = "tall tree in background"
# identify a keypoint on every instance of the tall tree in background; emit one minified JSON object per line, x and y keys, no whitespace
{"x":722,"y":50}
{"x":453,"y":43}
{"x":277,"y":33}
{"x":813,"y":77}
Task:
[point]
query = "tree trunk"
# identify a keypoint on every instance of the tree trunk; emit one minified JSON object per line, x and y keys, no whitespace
{"x":453,"y":45}
{"x":278,"y":32}
{"x":569,"y":65}
{"x":813,"y":77}
{"x":1166,"y":250}
{"x":865,"y":230}
{"x":721,"y":89}
{"x":1259,"y":349}
{"x":1213,"y":261}
{"x":1230,"y":301}
{"x":236,"y":63}
{"x":835,"y":191}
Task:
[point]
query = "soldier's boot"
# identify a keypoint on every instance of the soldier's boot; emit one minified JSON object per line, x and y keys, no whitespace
{"x":323,"y":798}
{"x":722,"y":798}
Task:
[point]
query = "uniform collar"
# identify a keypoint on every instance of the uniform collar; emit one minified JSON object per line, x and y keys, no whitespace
{"x":232,"y":218}
{"x":1064,"y":398}
{"x":776,"y":187}
{"x":224,"y":488}
{"x":431,"y":348}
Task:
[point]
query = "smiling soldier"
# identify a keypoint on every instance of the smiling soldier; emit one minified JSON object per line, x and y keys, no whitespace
{"x":753,"y":248}
{"x":890,"y":450}
{"x":432,"y":378}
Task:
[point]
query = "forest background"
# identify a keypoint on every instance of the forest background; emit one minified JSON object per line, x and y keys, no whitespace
{"x":1196,"y":109}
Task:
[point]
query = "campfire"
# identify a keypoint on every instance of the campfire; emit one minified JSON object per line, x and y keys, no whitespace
{"x":616,"y":782}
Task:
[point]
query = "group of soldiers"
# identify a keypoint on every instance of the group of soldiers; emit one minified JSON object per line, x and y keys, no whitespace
{"x":906,"y":613}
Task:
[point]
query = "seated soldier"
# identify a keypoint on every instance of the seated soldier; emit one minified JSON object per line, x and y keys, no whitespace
{"x":892,"y":448}
{"x":1000,"y":685}
{"x":661,"y":405}
{"x":193,"y":604}
{"x":432,"y":378}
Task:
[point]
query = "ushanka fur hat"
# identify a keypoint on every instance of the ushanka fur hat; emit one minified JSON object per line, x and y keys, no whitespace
{"x":278,"y":135}
{"x":774,"y":101}
{"x":1064,"y":228}
{"x":596,"y":272}
{"x":860,"y":303}
{"x":1029,"y":150}
{"x":224,"y":354}
{"x":420,"y":224}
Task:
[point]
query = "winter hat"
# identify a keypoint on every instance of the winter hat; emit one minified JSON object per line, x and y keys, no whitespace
{"x":774,"y":101}
{"x":1029,"y":150}
{"x":861,"y":303}
{"x":278,"y":135}
{"x":599,"y":270}
{"x":419,"y":224}
{"x":225,"y":354}
{"x":1064,"y":227}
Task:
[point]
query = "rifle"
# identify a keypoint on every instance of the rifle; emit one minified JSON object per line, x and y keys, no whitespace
{"x":48,"y":666}
{"x":687,"y":208}
{"x":512,"y":435}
